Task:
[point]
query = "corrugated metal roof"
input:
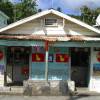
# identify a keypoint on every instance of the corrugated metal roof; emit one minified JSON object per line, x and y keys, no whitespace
{"x":50,"y":38}
{"x":35,"y":37}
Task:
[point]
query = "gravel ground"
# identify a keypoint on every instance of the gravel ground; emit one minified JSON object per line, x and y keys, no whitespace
{"x":8,"y":97}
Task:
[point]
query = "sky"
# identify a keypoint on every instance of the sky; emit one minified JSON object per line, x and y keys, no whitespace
{"x":67,"y":6}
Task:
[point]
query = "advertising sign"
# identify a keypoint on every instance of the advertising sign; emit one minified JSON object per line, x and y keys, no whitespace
{"x":96,"y":64}
{"x":38,"y":57}
{"x":62,"y":58}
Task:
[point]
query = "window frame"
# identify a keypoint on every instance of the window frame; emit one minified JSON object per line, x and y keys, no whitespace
{"x":54,"y":25}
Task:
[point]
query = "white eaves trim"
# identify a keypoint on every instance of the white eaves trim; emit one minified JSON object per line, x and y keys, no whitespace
{"x":22,"y":21}
{"x":48,"y":12}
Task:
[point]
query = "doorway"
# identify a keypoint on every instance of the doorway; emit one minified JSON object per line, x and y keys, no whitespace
{"x":17,"y":65}
{"x":80,"y":66}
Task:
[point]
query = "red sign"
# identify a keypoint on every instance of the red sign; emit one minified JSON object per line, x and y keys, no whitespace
{"x":38,"y":57}
{"x":98,"y":56}
{"x":62,"y":58}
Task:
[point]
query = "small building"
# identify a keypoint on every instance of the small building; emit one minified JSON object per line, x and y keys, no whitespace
{"x":3,"y":19}
{"x":52,"y":47}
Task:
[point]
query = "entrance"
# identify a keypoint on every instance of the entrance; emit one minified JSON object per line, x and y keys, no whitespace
{"x":17,"y":64}
{"x":80,"y":66}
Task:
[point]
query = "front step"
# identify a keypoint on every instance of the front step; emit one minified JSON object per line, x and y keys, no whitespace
{"x":85,"y":91}
{"x":14,"y":90}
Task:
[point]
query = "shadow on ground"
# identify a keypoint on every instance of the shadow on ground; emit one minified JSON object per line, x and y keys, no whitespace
{"x":78,"y":97}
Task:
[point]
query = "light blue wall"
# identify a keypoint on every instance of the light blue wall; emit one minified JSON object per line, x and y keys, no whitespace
{"x":56,"y":71}
{"x":38,"y":68}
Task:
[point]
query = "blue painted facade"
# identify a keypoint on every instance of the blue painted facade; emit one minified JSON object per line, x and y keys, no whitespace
{"x":56,"y":70}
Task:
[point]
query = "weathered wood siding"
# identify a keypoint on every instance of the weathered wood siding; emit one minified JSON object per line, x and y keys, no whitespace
{"x":37,"y":27}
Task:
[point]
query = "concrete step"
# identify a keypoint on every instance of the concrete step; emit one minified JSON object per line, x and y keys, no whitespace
{"x":11,"y":90}
{"x":85,"y":91}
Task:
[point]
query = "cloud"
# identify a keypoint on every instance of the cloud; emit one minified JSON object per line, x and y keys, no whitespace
{"x":79,"y":3}
{"x":14,"y":1}
{"x":68,"y":6}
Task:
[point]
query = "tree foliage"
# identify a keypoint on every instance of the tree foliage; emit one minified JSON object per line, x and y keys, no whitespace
{"x":89,"y":15}
{"x":17,"y":11}
{"x":25,"y":8}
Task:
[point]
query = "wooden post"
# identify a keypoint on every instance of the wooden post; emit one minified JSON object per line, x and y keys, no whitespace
{"x":46,"y":60}
{"x":30,"y":63}
{"x":91,"y":68}
{"x":69,"y":53}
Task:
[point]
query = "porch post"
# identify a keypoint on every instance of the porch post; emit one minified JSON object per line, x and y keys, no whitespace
{"x":46,"y":60}
{"x":30,"y":63}
{"x":91,"y":68}
{"x":69,"y":52}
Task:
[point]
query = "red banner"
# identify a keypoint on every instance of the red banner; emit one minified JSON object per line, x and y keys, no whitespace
{"x":38,"y":57}
{"x":62,"y":58}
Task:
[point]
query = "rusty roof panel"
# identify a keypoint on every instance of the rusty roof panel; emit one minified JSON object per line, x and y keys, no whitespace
{"x":50,"y":38}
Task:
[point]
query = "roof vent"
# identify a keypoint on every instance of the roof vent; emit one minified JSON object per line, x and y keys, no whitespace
{"x":50,"y":22}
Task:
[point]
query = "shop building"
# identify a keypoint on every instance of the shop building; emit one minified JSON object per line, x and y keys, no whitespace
{"x":52,"y":47}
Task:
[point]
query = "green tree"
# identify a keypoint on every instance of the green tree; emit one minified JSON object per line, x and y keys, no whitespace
{"x":24,"y":9}
{"x":88,"y":15}
{"x":17,"y":11}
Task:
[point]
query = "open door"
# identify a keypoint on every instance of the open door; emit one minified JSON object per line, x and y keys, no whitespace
{"x":80,"y":66}
{"x":18,"y":64}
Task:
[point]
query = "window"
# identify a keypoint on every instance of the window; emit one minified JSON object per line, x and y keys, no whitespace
{"x":51,"y":22}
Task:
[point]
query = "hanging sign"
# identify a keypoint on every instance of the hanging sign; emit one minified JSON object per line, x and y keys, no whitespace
{"x":62,"y":58}
{"x":38,"y":57}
